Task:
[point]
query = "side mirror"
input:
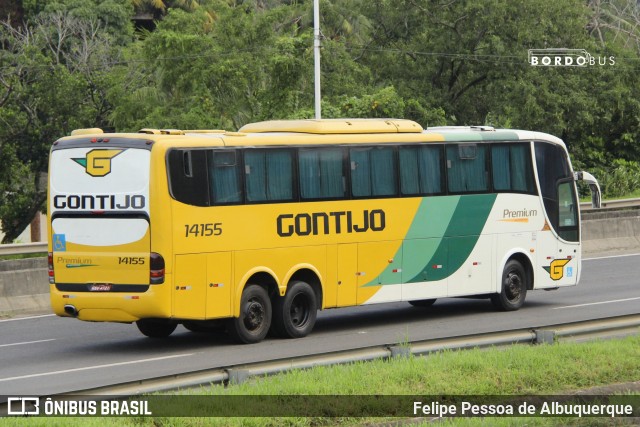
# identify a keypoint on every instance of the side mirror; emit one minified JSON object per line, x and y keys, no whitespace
{"x":592,"y":182}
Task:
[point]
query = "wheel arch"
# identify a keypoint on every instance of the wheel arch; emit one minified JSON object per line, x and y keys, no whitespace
{"x":309,"y":275}
{"x":524,"y":259}
{"x":259,"y":276}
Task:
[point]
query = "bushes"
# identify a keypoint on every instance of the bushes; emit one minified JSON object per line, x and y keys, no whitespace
{"x":621,"y":179}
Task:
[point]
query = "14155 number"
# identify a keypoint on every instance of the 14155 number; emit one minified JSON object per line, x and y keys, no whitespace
{"x":203,"y":230}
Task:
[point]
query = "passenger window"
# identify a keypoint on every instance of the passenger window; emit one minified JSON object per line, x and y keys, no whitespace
{"x":467,"y":168}
{"x":420,"y":170}
{"x":268,"y":175}
{"x":321,"y":173}
{"x":224,"y":174}
{"x":373,"y":172}
{"x":511,"y":168}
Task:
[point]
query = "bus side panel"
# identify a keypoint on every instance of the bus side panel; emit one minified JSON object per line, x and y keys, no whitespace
{"x":202,"y":286}
{"x":347,"y":275}
{"x":189,"y":290}
{"x":424,"y":281}
{"x":376,"y":259}
{"x":474,"y":276}
{"x":219,"y":285}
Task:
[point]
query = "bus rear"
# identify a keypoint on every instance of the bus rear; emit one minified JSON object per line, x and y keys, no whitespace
{"x":100,"y":260}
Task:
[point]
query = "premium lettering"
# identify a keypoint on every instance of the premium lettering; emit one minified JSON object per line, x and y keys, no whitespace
{"x":524,"y":213}
{"x":305,"y":224}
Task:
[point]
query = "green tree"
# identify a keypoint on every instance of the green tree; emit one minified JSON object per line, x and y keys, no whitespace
{"x":53,"y":74}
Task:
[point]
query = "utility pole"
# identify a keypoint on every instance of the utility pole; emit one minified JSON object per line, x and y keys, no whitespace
{"x":316,"y":56}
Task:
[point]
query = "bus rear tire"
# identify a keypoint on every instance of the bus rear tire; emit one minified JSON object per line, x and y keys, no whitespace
{"x":255,"y":316}
{"x":156,"y":328}
{"x":294,"y":315}
{"x":514,"y":287}
{"x":423,"y":302}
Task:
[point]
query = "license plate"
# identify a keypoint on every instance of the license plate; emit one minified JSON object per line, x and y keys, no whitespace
{"x":100,"y":287}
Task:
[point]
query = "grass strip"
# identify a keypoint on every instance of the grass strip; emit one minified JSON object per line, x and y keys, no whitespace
{"x":517,"y":370}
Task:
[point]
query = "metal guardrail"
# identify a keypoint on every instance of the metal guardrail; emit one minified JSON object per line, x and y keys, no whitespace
{"x":612,"y":204}
{"x":574,"y":331}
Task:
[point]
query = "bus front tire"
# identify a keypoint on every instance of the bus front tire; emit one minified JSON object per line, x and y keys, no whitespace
{"x":156,"y":328}
{"x":294,"y":315}
{"x":255,"y":316}
{"x":514,"y":287}
{"x":423,"y":302}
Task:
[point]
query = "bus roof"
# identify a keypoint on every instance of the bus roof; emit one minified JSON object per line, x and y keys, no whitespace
{"x":271,"y":132}
{"x":334,"y":126}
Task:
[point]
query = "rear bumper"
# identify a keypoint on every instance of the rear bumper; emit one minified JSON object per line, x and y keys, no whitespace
{"x":113,"y":306}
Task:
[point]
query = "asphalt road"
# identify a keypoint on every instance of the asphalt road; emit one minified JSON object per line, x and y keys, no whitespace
{"x":44,"y":355}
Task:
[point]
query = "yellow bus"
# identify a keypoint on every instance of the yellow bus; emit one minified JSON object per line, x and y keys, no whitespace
{"x":261,"y":228}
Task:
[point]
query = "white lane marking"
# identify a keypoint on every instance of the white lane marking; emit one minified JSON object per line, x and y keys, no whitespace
{"x":27,"y":318}
{"x":610,"y":256}
{"x":87,"y":368}
{"x":596,"y":303}
{"x":26,"y":342}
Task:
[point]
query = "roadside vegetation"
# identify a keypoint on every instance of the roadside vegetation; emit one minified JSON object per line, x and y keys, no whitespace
{"x":23,"y":256}
{"x":558,"y":369}
{"x":123,"y":65}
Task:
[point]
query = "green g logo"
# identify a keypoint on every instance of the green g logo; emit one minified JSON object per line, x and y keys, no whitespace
{"x":98,"y":162}
{"x":556,"y":269}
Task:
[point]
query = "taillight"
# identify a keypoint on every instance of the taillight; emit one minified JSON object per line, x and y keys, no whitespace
{"x":157,"y":269}
{"x":50,"y":266}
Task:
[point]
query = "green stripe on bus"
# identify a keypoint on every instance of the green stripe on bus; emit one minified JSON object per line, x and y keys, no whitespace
{"x":460,"y":238}
{"x":444,"y":231}
{"x":480,"y":135}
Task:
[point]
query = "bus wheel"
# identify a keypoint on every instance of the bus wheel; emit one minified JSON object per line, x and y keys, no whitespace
{"x":422,"y":302}
{"x":255,"y":316}
{"x":514,"y":287}
{"x":156,"y":328}
{"x":294,"y":315}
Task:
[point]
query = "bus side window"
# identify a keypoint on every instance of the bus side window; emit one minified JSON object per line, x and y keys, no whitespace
{"x":567,"y":211}
{"x":224,"y":174}
{"x":511,"y":168}
{"x":321,"y":173}
{"x":188,"y":176}
{"x":373,"y":172}
{"x":553,"y":167}
{"x":420,"y":170}
{"x":268,"y":175}
{"x":467,"y":165}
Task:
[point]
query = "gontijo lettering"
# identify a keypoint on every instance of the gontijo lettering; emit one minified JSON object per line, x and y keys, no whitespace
{"x":99,"y":201}
{"x":315,"y":223}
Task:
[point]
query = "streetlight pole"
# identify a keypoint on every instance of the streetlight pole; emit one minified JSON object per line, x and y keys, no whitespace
{"x":316,"y":56}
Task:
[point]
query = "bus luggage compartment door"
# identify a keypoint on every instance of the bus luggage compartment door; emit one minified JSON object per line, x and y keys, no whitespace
{"x":202,"y":286}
